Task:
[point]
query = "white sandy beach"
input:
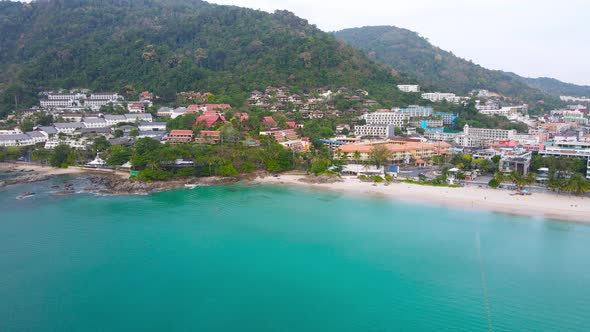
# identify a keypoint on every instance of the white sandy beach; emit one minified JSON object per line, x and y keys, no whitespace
{"x":547,"y":205}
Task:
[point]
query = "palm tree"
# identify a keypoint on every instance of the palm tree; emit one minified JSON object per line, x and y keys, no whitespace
{"x":356,"y":155}
{"x":577,"y":184}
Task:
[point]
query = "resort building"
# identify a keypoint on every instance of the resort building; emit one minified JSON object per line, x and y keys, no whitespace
{"x":409,"y":88}
{"x":569,"y":149}
{"x":375,"y":130}
{"x":386,"y":117}
{"x":155,"y":126}
{"x":490,"y":134}
{"x":139,"y":117}
{"x":16,"y":140}
{"x":180,"y":136}
{"x":112,"y":120}
{"x":401,"y":151}
{"x":439,"y":96}
{"x":95,"y":123}
{"x":208,"y":137}
{"x":68,"y":127}
{"x":415,"y":111}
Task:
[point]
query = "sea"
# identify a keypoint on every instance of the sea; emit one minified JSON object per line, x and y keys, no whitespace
{"x":251,"y":257}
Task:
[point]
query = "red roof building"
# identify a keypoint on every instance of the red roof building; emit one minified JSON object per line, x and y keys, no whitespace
{"x":210,"y":120}
{"x":269,"y":121}
{"x":194,"y":108}
{"x":180,"y":136}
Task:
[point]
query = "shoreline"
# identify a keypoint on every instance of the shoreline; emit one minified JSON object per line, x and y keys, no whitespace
{"x":538,"y":205}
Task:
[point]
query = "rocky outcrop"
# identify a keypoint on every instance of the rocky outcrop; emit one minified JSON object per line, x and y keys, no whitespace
{"x":322,"y":179}
{"x":28,"y":178}
{"x":113,"y":185}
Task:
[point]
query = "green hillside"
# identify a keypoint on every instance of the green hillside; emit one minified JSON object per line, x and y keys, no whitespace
{"x":436,"y":69}
{"x":173,"y":45}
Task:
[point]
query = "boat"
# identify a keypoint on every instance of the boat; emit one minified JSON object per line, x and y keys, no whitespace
{"x":25,"y":195}
{"x":191,"y":186}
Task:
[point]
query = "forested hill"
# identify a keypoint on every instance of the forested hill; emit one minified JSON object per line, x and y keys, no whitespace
{"x":434,"y":68}
{"x":170,"y":46}
{"x":556,"y":87}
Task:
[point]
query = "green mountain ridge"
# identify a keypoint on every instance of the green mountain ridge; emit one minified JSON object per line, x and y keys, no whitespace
{"x":437,"y":69}
{"x":168,"y":46}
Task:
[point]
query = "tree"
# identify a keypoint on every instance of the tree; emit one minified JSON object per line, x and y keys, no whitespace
{"x":379,"y":155}
{"x":134,"y":133}
{"x":356,"y":155}
{"x":101,"y":144}
{"x":60,"y":156}
{"x":577,"y":184}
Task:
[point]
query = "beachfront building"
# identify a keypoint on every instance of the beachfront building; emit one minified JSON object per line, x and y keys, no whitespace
{"x":408,"y":87}
{"x":515,"y":160}
{"x":401,"y":151}
{"x":79,"y":144}
{"x":16,"y":140}
{"x":569,"y":149}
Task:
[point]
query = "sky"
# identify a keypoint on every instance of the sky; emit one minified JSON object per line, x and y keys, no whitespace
{"x":533,"y":38}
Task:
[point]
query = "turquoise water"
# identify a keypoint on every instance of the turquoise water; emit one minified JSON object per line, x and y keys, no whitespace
{"x":256,"y":258}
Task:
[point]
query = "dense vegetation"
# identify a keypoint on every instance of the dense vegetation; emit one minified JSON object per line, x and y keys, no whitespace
{"x":436,"y":69}
{"x":556,"y":87}
{"x":169,"y":46}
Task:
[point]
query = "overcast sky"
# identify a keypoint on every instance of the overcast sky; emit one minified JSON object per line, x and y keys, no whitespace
{"x":529,"y":37}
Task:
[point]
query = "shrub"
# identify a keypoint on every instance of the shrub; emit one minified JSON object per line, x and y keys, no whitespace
{"x":388,"y":178}
{"x":494,"y":183}
{"x":377,"y":179}
{"x":149,"y":175}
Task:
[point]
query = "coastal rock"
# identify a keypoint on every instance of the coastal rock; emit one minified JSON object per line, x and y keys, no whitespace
{"x":24,"y":179}
{"x":322,"y":179}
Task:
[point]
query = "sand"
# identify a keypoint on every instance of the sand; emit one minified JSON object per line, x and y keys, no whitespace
{"x":545,"y":205}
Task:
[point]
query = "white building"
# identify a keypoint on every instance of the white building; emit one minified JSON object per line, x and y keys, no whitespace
{"x":151,"y":126}
{"x":95,"y":123}
{"x":112,"y":120}
{"x":439,"y":96}
{"x":139,"y":117}
{"x":376,"y":130}
{"x":68,"y":127}
{"x":80,"y":144}
{"x":386,"y":117}
{"x":16,"y":140}
{"x":408,"y":88}
{"x":38,"y":137}
{"x":415,"y":111}
{"x":489,"y":134}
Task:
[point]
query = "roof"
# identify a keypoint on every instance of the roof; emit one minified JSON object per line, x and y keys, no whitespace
{"x":48,"y":129}
{"x":68,"y":125}
{"x":393,"y":147}
{"x":210,"y":119}
{"x":115,"y":117}
{"x":35,"y":134}
{"x":181,"y":132}
{"x":152,"y":124}
{"x":13,"y":137}
{"x":94,"y":120}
